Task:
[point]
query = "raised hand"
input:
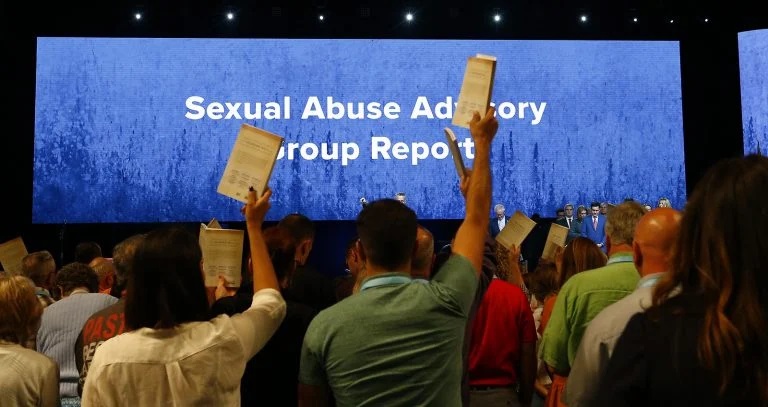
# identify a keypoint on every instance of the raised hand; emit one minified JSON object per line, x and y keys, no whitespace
{"x":483,"y":129}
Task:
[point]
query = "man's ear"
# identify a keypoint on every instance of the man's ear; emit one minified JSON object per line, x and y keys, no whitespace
{"x":302,"y":251}
{"x":360,"y":252}
{"x":415,"y":248}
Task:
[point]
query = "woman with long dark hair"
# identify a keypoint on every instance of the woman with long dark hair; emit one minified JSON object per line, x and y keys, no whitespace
{"x":174,"y":355}
{"x":704,"y":341}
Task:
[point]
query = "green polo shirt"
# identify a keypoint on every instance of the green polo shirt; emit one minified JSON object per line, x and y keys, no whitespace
{"x":580,"y":299}
{"x":396,"y":343}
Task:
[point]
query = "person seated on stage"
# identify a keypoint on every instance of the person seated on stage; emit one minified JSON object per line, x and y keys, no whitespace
{"x":27,"y":378}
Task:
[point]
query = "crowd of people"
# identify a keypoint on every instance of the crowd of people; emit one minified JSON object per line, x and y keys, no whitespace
{"x":642,"y":306}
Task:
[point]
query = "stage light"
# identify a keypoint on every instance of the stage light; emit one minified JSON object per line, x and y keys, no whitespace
{"x":321,"y":17}
{"x":409,"y":17}
{"x":583,"y":18}
{"x":230,"y":16}
{"x":706,"y":20}
{"x":672,"y":21}
{"x":634,"y":20}
{"x":497,"y":18}
{"x":137,"y":16}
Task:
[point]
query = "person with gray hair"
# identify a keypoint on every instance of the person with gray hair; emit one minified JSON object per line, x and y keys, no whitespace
{"x":585,"y":294}
{"x":40,"y":267}
{"x":497,"y":222}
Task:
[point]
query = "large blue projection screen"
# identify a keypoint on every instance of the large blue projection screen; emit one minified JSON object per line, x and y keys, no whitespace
{"x":753,"y":67}
{"x":139,"y":130}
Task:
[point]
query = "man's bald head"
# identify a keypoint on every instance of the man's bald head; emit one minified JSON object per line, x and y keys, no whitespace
{"x":421,"y":263}
{"x":654,"y":240}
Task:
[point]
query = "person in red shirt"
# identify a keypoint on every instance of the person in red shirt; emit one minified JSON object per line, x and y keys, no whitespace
{"x":502,"y":358}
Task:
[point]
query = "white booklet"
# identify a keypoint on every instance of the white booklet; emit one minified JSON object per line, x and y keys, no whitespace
{"x":555,"y":238}
{"x":222,"y":254}
{"x":250,"y":163}
{"x":476,"y":89}
{"x":458,"y":160}
{"x":516,"y":230}
{"x":11,"y":253}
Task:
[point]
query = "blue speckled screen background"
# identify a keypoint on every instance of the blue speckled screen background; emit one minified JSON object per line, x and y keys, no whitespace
{"x":753,"y":68}
{"x":112,"y":143}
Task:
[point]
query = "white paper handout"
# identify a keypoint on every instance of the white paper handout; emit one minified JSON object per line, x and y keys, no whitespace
{"x":222,"y":254}
{"x":250,"y":163}
{"x":476,"y":89}
{"x":516,"y":230}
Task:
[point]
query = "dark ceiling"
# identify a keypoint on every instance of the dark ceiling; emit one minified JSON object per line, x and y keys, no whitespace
{"x":385,"y":19}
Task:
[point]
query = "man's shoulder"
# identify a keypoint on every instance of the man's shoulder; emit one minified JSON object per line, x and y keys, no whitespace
{"x":116,"y":308}
{"x":602,"y":276}
{"x":507,"y":289}
{"x":610,"y":322}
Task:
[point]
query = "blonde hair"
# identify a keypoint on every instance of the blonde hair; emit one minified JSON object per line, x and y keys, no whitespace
{"x":20,"y":310}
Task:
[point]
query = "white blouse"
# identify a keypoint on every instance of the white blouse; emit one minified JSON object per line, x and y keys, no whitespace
{"x":196,"y":363}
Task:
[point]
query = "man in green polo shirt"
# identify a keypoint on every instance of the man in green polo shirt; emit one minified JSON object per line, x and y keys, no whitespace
{"x":585,"y":294}
{"x":398,"y":342}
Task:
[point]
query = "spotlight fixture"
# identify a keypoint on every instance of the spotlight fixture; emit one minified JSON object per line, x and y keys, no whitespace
{"x":137,"y":16}
{"x":230,"y":16}
{"x":634,"y":20}
{"x":583,"y":18}
{"x":409,"y":17}
{"x":497,"y":18}
{"x":672,"y":21}
{"x":321,"y":17}
{"x":706,"y":20}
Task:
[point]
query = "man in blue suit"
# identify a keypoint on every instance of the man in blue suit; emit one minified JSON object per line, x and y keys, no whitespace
{"x":593,"y":227}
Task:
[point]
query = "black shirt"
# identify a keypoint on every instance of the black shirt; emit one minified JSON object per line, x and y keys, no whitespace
{"x":271,"y":377}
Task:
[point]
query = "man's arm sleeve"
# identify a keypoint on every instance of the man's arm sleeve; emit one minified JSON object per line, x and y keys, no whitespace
{"x":553,"y":349}
{"x":456,"y":283}
{"x":625,"y":379}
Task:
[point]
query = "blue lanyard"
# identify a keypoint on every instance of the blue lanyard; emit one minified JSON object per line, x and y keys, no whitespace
{"x":620,"y":259}
{"x":385,"y":280}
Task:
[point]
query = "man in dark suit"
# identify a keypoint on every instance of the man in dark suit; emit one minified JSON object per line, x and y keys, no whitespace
{"x":569,"y":221}
{"x":499,"y":221}
{"x":593,"y":226}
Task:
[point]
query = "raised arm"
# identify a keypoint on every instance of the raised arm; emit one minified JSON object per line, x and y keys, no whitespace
{"x":471,"y":233}
{"x":263,"y":272}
